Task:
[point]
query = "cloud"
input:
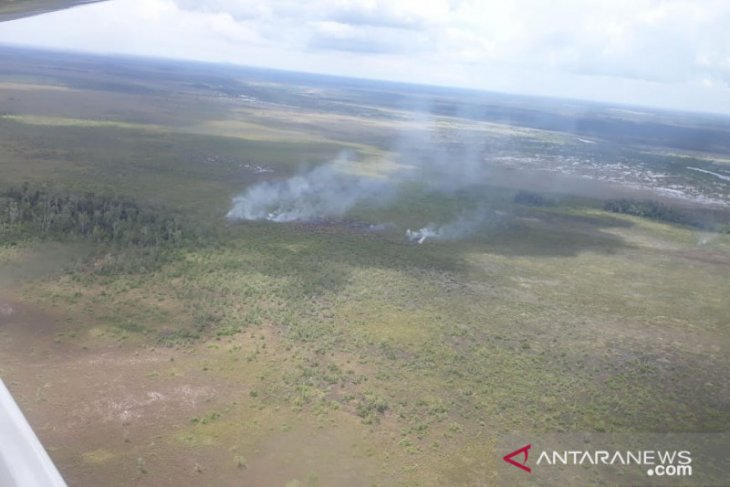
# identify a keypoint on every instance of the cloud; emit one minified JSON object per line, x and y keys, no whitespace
{"x":406,"y":14}
{"x":561,"y":47}
{"x":366,"y":38}
{"x":659,"y":40}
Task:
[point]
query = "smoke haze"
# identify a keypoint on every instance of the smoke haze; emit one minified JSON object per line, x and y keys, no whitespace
{"x":326,"y":191}
{"x":434,"y":155}
{"x":468,"y":223}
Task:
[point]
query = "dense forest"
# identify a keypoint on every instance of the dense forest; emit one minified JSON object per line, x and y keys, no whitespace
{"x":646,"y":209}
{"x":705,"y":220}
{"x":100,"y":218}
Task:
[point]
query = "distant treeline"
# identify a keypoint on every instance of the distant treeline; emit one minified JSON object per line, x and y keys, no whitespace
{"x":646,"y":209}
{"x":100,"y":218}
{"x":659,"y":211}
{"x":532,"y":199}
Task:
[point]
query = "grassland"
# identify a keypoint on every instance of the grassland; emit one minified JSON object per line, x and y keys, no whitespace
{"x":288,"y":354}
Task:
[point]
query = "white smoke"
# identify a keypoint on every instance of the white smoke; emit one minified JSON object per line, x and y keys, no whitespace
{"x":421,"y":235}
{"x":464,"y":226}
{"x":705,"y":238}
{"x":329,"y":190}
{"x":434,"y":154}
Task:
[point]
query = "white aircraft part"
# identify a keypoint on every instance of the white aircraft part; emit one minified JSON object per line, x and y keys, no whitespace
{"x":23,"y":461}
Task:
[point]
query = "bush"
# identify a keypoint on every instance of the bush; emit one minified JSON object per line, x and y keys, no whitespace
{"x":369,"y":407}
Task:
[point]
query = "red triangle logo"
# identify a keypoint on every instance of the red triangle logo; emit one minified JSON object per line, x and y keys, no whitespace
{"x":521,"y":451}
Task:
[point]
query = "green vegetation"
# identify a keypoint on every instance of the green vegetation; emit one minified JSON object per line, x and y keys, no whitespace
{"x":663,"y":212}
{"x":99,"y":218}
{"x":646,"y":209}
{"x":260,"y":352}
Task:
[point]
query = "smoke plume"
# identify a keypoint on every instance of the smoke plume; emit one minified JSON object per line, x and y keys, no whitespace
{"x":329,"y":190}
{"x":435,"y":155}
{"x":462,"y":227}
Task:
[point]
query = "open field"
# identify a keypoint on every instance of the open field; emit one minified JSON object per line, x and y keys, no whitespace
{"x":328,"y":352}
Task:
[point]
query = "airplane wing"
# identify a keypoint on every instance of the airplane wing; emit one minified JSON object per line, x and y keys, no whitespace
{"x":23,"y":461}
{"x":15,"y":9}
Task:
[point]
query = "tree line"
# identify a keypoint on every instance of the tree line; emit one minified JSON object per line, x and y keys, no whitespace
{"x":647,"y":209}
{"x":98,"y":217}
{"x":658,"y":211}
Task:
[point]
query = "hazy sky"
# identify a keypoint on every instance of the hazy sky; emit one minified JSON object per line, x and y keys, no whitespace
{"x":671,"y":53}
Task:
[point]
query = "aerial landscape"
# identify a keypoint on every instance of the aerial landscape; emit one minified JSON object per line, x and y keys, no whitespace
{"x":220,"y":275}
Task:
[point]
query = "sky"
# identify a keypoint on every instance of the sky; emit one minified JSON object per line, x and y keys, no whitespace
{"x":665,"y":53}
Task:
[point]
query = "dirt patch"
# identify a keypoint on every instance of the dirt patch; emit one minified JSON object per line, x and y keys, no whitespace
{"x":25,"y":321}
{"x":705,"y":257}
{"x":116,"y":413}
{"x":98,"y":409}
{"x":307,"y":455}
{"x":37,"y":261}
